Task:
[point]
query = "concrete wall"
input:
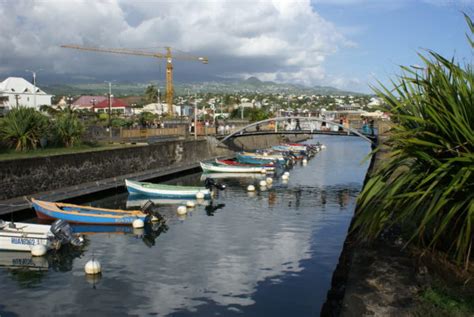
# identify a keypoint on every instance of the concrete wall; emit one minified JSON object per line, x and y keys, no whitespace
{"x":29,"y":176}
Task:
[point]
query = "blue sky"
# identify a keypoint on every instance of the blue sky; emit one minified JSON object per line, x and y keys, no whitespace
{"x":389,"y":35}
{"x":341,"y":43}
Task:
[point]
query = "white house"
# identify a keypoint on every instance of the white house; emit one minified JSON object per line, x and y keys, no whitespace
{"x":16,"y":91}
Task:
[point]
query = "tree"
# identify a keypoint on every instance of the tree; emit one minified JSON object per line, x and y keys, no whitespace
{"x":427,"y":183}
{"x":151,"y":94}
{"x":68,"y":128}
{"x":23,"y":128}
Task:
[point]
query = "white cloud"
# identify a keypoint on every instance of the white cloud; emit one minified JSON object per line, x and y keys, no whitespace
{"x":285,"y":40}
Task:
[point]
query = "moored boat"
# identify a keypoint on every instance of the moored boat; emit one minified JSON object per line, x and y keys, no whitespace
{"x":86,"y":214}
{"x":165,"y":191}
{"x":20,"y":236}
{"x":269,"y":166}
{"x":218,"y":168}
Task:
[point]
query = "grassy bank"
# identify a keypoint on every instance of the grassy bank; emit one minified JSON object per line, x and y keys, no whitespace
{"x":14,"y":155}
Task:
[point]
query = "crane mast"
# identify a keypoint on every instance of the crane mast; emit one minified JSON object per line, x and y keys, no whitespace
{"x":168,"y":56}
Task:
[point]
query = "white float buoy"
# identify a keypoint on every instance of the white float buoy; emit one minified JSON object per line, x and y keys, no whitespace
{"x":287,"y":174}
{"x":323,"y":146}
{"x":269,"y":180}
{"x":263,"y":183}
{"x":138,"y":223}
{"x":250,"y":188}
{"x":190,"y":204}
{"x":285,"y":177}
{"x":181,"y":210}
{"x":263,"y":171}
{"x":154,"y":218}
{"x":93,"y":267}
{"x":38,"y":250}
{"x":305,"y":161}
{"x":200,"y":195}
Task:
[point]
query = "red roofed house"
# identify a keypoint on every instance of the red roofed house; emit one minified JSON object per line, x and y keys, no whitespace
{"x":88,"y":102}
{"x":117,"y":106}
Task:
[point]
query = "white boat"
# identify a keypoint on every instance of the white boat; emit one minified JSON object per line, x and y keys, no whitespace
{"x":165,"y":191}
{"x":217,"y":168}
{"x":20,"y":236}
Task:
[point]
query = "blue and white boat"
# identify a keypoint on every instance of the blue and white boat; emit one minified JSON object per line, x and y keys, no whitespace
{"x":86,"y":214}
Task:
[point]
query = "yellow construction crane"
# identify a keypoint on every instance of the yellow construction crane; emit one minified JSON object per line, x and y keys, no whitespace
{"x":169,"y":65}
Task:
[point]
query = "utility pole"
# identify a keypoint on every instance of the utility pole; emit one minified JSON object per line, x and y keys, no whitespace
{"x":195,"y":117}
{"x":34,"y":84}
{"x":110,"y":110}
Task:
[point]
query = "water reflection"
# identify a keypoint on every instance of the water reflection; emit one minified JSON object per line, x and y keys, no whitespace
{"x":267,"y":255}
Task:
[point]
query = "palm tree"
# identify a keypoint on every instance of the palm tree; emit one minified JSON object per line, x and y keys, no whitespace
{"x":427,"y":183}
{"x":151,"y":94}
{"x":23,"y":128}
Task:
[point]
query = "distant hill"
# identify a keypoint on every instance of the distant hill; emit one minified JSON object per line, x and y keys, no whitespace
{"x":250,"y":85}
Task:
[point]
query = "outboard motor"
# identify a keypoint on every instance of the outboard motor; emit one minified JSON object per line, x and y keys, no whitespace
{"x":148,"y":208}
{"x":210,"y":182}
{"x":63,"y":232}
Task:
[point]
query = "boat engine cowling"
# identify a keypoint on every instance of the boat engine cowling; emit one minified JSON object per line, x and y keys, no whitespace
{"x":210,"y":182}
{"x":63,"y":232}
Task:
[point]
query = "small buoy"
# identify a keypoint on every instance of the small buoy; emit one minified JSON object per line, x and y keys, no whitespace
{"x":323,"y":146}
{"x":263,"y":183}
{"x":284,"y":177}
{"x":92,"y":267}
{"x":265,"y":154}
{"x":182,"y":210}
{"x":287,"y":174}
{"x":200,"y":195}
{"x":305,"y":161}
{"x":154,"y":218}
{"x":38,"y":250}
{"x":284,"y":181}
{"x":263,"y":171}
{"x":269,"y":180}
{"x":190,"y":204}
{"x":250,"y":188}
{"x":138,"y":223}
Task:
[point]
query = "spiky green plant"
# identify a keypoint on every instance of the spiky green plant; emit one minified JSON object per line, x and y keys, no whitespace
{"x":22,"y":128}
{"x":427,"y":183}
{"x":68,"y":128}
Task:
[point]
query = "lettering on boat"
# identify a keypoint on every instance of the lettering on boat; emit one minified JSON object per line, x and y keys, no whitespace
{"x":27,"y":241}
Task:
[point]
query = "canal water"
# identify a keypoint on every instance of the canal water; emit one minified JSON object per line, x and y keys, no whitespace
{"x":270,"y":253}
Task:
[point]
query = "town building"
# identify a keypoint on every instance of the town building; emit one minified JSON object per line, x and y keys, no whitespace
{"x":88,"y":102}
{"x":16,"y":91}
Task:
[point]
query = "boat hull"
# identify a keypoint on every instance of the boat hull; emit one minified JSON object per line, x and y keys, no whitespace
{"x":138,"y":188}
{"x":25,"y":236}
{"x":231,"y":169}
{"x":85,"y":214}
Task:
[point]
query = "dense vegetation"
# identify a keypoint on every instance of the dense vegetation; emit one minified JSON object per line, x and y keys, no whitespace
{"x":26,"y":128}
{"x":427,"y":184}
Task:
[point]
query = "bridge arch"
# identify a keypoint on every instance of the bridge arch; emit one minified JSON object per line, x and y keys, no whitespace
{"x":302,"y":119}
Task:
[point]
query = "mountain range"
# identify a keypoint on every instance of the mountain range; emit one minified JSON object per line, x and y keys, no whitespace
{"x":250,"y":85}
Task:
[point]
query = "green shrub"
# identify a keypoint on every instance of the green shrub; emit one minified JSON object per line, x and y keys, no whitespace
{"x":427,"y":184}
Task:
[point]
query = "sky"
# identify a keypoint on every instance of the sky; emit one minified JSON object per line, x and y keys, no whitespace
{"x":347,"y":44}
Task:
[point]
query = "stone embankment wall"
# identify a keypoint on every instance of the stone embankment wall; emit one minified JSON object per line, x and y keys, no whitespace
{"x":28,"y":176}
{"x":253,"y":142}
{"x":24,"y":177}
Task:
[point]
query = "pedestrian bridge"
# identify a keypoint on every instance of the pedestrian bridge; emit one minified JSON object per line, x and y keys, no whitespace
{"x":304,"y":125}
